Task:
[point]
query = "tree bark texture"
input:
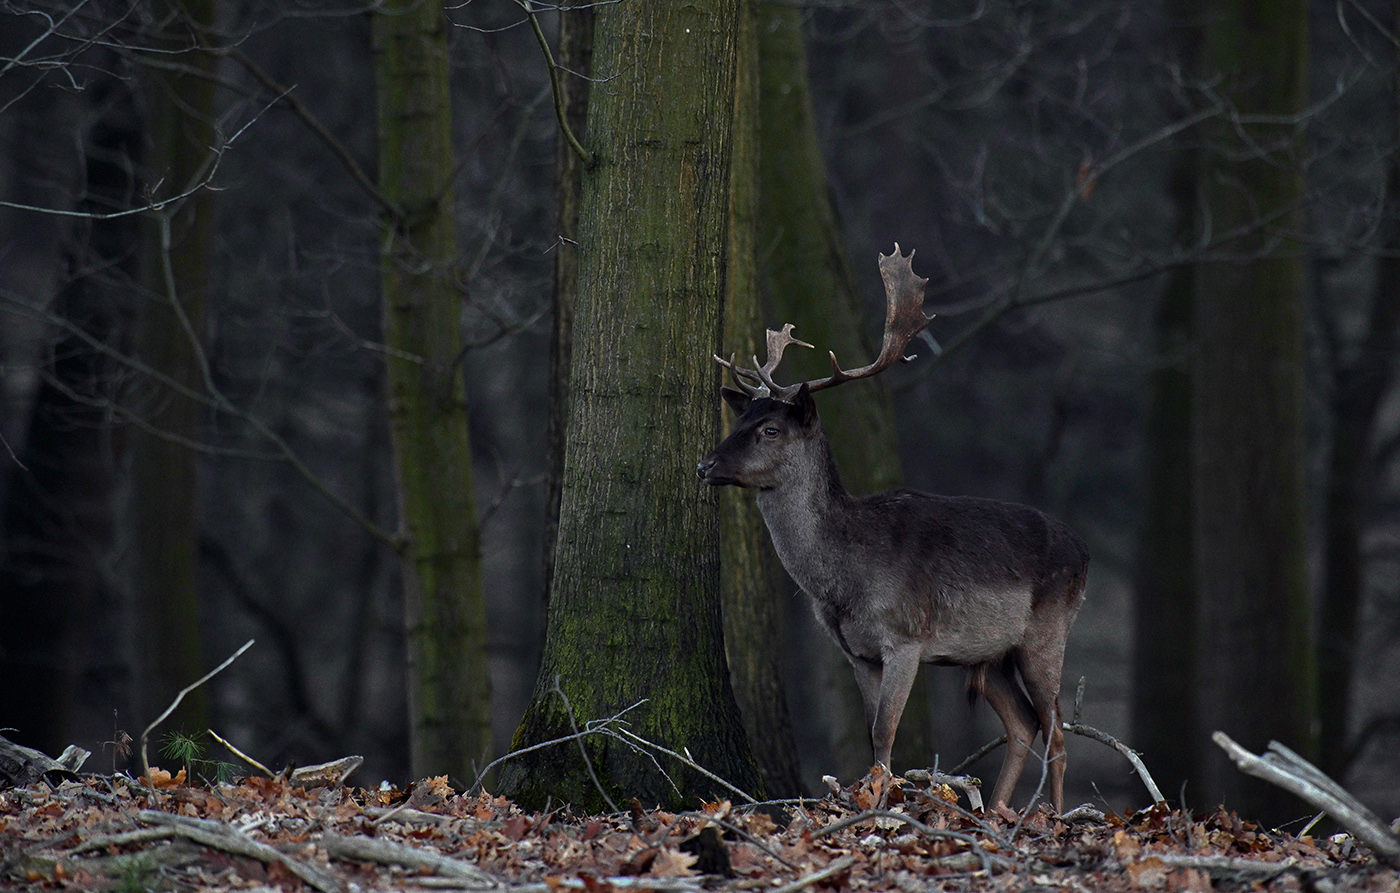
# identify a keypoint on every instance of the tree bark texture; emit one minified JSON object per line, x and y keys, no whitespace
{"x":575,"y":55}
{"x":449,"y":686}
{"x":808,"y":282}
{"x":634,"y":610}
{"x":169,"y":334}
{"x":1256,"y":673}
{"x":754,"y":587}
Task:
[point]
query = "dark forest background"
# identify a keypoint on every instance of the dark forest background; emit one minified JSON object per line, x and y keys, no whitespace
{"x":1044,"y":159}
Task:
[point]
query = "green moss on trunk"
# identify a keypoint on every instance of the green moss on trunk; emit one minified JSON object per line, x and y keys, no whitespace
{"x":449,"y":688}
{"x":634,"y":608}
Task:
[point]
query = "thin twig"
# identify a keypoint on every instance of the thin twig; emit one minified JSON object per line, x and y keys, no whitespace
{"x":585,"y":156}
{"x":243,"y":756}
{"x":596,"y":727}
{"x":689,"y":762}
{"x":145,"y":766}
{"x":1128,"y":753}
{"x":834,"y":868}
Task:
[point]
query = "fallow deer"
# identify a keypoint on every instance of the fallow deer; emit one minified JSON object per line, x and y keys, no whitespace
{"x":902,"y":578}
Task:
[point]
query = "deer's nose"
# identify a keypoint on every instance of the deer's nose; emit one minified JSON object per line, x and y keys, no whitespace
{"x":702,"y":470}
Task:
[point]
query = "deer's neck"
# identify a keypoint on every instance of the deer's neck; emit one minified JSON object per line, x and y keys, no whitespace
{"x":805,"y":515}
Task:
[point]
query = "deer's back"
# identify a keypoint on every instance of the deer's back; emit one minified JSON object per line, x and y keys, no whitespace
{"x":962,"y":575}
{"x":968,"y":542}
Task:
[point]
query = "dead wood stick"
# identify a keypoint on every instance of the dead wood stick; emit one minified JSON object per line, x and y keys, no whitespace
{"x":1233,"y":866}
{"x":1131,"y":755}
{"x":1079,"y":728}
{"x":386,"y":852}
{"x":145,"y":765}
{"x":1286,"y":769}
{"x":219,"y":836}
{"x":243,"y":756}
{"x":836,"y":867}
{"x":986,"y":859}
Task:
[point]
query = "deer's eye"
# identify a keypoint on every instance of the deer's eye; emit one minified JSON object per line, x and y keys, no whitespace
{"x":770,"y":431}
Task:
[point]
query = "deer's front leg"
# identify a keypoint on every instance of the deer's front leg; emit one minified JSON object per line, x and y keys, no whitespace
{"x":867,"y":675}
{"x":896,"y":679}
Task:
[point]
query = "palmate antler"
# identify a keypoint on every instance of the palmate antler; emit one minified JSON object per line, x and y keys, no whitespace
{"x":904,"y":318}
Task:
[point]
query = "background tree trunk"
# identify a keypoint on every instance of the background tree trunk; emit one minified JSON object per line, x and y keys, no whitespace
{"x":1359,"y":385}
{"x":1248,"y":381}
{"x":807,"y":278}
{"x":634,"y":609}
{"x":575,"y":60}
{"x":62,"y":647}
{"x":753,"y":585}
{"x":169,"y":334}
{"x":1164,"y":634}
{"x":449,"y":688}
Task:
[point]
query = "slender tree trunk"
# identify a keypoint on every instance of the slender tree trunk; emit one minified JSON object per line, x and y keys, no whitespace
{"x":1165,"y":640}
{"x":1256,"y":669}
{"x":169,"y":335}
{"x":449,"y":689}
{"x":809,"y":283}
{"x":1165,"y":637}
{"x":753,"y":584}
{"x":634,"y":609}
{"x":575,"y":60}
{"x":1359,"y":385}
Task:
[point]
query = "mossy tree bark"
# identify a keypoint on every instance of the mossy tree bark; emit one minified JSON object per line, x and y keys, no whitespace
{"x":169,"y":330}
{"x":754,"y":588}
{"x":449,"y":691}
{"x":1256,"y":673}
{"x":634,"y":609}
{"x":808,"y":282}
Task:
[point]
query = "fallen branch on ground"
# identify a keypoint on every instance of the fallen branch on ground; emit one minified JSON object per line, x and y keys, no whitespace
{"x":1286,"y":769}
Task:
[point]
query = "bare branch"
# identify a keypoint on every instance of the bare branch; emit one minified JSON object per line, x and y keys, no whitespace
{"x":587,"y":157}
{"x":1286,"y":769}
{"x":145,"y":766}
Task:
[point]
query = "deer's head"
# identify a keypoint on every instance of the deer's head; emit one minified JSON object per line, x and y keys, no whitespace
{"x":778,"y":423}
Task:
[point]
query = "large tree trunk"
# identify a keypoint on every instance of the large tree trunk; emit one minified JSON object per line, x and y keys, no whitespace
{"x":449,"y":689}
{"x":753,"y":584}
{"x":1256,"y":672}
{"x":808,"y":281}
{"x":162,"y":503}
{"x":634,"y":609}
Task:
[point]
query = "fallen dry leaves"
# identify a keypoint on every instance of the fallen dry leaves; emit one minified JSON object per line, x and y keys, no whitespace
{"x":881,"y":834}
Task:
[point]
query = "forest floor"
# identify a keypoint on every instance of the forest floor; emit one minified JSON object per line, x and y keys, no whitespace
{"x":116,"y":833}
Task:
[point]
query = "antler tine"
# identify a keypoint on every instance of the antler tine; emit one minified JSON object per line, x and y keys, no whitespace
{"x":904,"y":318}
{"x":739,"y":373}
{"x":762,"y":374}
{"x":778,"y":341}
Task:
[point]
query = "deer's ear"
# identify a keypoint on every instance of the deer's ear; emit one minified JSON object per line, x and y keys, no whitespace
{"x":737,"y":400}
{"x":805,"y":407}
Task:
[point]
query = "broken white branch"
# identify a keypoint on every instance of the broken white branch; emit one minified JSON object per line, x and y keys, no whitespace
{"x":1286,"y":769}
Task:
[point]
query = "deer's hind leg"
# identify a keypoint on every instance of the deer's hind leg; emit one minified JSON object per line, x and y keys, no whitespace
{"x":1041,"y":661}
{"x":1006,"y":698}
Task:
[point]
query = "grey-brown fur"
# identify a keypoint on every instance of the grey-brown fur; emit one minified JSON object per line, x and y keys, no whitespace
{"x":902,"y":578}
